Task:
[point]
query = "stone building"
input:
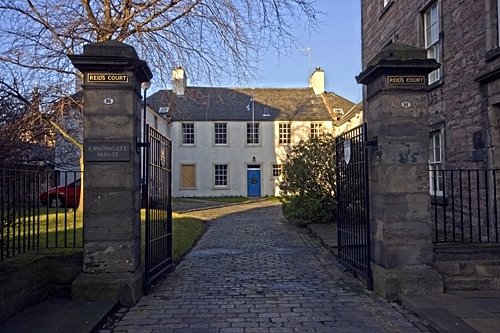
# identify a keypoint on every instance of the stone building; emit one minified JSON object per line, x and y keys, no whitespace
{"x":464,"y":93}
{"x":461,"y":107}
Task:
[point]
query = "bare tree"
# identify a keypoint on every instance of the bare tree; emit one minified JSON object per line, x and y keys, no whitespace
{"x":27,"y":136}
{"x":212,"y":39}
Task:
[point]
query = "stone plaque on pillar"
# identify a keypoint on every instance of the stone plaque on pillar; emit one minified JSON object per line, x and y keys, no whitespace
{"x":395,"y":109}
{"x":112,"y":76}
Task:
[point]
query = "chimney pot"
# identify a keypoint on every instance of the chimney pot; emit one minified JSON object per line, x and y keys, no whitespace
{"x":317,"y":81}
{"x":179,"y":81}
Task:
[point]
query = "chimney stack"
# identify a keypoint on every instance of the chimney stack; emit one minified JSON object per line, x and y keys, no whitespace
{"x":317,"y":81}
{"x":179,"y":81}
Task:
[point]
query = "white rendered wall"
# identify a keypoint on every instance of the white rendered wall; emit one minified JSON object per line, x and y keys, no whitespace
{"x":236,"y":154}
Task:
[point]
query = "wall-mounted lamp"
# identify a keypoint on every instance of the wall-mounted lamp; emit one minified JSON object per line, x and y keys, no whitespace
{"x":253,"y":159}
{"x":145,"y":86}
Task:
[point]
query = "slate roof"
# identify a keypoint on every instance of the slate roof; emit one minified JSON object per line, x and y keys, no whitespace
{"x":230,"y":104}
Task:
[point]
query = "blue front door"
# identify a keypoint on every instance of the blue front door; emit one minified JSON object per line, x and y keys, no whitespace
{"x":253,"y":182}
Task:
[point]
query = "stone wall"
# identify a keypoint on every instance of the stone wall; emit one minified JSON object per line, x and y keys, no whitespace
{"x":468,"y":267}
{"x":457,"y":101}
{"x":464,"y":104}
{"x":29,"y":280}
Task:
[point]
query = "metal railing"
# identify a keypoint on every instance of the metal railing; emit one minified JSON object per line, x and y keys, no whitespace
{"x":38,"y":209}
{"x":465,"y":206}
{"x":353,"y":211}
{"x":158,"y":233}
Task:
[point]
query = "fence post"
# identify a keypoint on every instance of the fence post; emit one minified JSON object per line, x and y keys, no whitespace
{"x":395,"y":110}
{"x":112,"y":77}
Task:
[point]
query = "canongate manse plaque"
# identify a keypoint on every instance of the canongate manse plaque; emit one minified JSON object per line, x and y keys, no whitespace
{"x":107,"y":152}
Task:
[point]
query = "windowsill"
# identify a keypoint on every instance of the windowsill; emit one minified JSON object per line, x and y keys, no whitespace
{"x":188,"y":188}
{"x":435,"y":84}
{"x":439,"y":200}
{"x":492,"y":54}
{"x":221,"y":188}
{"x":386,"y":8}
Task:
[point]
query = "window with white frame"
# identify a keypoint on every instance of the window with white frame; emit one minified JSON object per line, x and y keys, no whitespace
{"x":220,"y":133}
{"x":188,"y":133}
{"x":436,"y":146}
{"x":316,"y":130}
{"x":431,"y":38}
{"x":220,"y":175}
{"x":284,"y":133}
{"x":498,"y":22}
{"x":253,"y":133}
{"x":277,"y":170}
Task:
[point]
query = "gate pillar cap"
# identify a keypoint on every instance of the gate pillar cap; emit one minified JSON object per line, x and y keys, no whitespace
{"x":111,"y":56}
{"x":398,"y":58}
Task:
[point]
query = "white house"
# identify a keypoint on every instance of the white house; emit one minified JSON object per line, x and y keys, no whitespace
{"x":231,"y":141}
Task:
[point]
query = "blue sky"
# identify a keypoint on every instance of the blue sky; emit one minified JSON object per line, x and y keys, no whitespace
{"x":335,"y":47}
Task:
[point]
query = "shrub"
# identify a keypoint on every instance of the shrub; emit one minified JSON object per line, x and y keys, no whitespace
{"x":304,"y":210}
{"x":308,"y":181}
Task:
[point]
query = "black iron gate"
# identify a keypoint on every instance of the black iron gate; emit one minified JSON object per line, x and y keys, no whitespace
{"x":352,"y":202}
{"x":157,"y":201}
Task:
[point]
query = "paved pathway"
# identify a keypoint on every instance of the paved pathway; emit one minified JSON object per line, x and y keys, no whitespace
{"x":252,"y":272}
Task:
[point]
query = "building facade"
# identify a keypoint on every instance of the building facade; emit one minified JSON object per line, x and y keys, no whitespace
{"x":233,"y":141}
{"x":464,"y":93}
{"x":456,"y":109}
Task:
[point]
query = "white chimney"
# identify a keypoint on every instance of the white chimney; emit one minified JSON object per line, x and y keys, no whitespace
{"x":317,"y":81}
{"x":179,"y":81}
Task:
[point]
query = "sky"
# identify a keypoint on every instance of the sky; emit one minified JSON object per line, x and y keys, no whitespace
{"x":335,"y":47}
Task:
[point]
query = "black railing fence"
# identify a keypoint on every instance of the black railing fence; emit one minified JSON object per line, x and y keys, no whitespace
{"x":38,"y":210}
{"x":158,"y":238}
{"x":465,"y":205}
{"x":353,"y":213}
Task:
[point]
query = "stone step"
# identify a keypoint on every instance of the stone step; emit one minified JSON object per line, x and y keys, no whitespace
{"x":479,"y":268}
{"x":57,"y":315}
{"x":475,"y":251}
{"x":470,"y":283}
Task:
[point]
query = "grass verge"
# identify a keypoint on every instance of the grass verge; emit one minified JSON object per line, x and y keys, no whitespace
{"x":186,"y":231}
{"x":64,"y":230}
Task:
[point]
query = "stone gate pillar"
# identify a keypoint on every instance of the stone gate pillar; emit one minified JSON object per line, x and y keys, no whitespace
{"x":112,"y":76}
{"x":395,"y":110}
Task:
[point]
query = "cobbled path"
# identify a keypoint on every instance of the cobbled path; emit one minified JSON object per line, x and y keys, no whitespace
{"x":253,"y":272}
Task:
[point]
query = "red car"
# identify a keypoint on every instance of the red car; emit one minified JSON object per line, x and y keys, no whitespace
{"x":62,"y":196}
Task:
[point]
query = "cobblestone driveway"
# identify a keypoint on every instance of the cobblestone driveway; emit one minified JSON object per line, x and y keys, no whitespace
{"x":252,"y":272}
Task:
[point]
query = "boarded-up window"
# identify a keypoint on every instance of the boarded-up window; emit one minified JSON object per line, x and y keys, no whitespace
{"x":188,"y":176}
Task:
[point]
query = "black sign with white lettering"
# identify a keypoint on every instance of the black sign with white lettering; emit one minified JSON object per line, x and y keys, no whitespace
{"x":107,"y":152}
{"x":107,"y":78}
{"x":406,"y":80}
